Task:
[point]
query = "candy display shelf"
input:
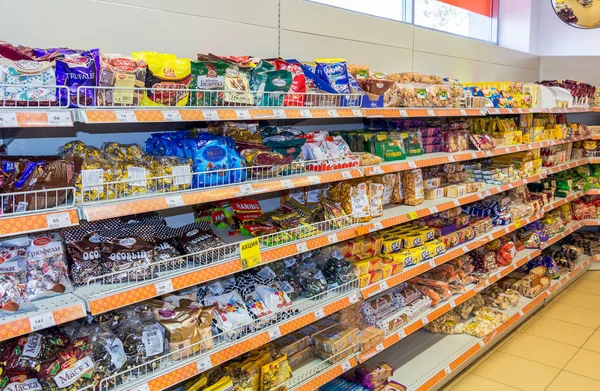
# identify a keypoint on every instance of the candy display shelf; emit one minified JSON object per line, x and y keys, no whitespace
{"x":446,"y":355}
{"x":565,"y":166}
{"x":172,"y":371}
{"x":100,"y":297}
{"x":37,"y":221}
{"x":571,"y":227}
{"x":50,"y":312}
{"x":422,"y":267}
{"x":21,"y":117}
{"x":443,"y":307}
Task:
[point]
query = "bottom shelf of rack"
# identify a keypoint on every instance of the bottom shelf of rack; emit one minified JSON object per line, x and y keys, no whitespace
{"x":427,"y":361}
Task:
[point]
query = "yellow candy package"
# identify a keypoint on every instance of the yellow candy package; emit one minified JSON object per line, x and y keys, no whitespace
{"x":275,"y":373}
{"x":167,"y":80}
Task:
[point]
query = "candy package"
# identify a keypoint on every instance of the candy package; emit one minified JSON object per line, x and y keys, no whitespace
{"x":13,"y":276}
{"x":47,"y":273}
{"x":70,"y":370}
{"x":122,"y":80}
{"x":143,"y":340}
{"x":167,"y":79}
{"x":207,"y":76}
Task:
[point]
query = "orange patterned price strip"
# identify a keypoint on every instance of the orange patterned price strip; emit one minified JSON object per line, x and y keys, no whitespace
{"x":37,"y":222}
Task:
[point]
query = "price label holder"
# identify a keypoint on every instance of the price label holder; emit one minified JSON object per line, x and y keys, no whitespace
{"x":357,"y":112}
{"x":463,"y":112}
{"x":332,"y":238}
{"x":59,"y":118}
{"x":305,"y":113}
{"x":164,"y":287}
{"x":58,"y":220}
{"x":379,"y":347}
{"x":332,"y":113}
{"x":210,"y":115}
{"x":243,"y":114}
{"x":346,"y":175}
{"x":402,"y":334}
{"x":42,"y":321}
{"x":403,"y":113}
{"x":412,"y":165}
{"x":287,"y":184}
{"x":302,"y":247}
{"x":172,"y":116}
{"x":126,"y":116}
{"x":250,"y":253}
{"x":279,"y":114}
{"x":320,"y":313}
{"x":346,"y":366}
{"x":8,"y":120}
{"x":353,"y":298}
{"x":314,"y":180}
{"x":377,"y":170}
{"x":246,"y":189}
{"x":431,"y":112}
{"x":204,"y":364}
{"x":412,"y":215}
{"x":141,"y":387}
{"x":376,"y":227}
{"x":174,"y":201}
{"x":274,"y":333}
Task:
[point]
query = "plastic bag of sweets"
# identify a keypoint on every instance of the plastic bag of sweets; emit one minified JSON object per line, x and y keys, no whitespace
{"x":70,"y":370}
{"x":167,"y":79}
{"x":126,"y":256}
{"x":272,"y":88}
{"x":28,"y":351}
{"x":47,"y":273}
{"x":334,"y":72}
{"x":13,"y":276}
{"x":207,"y":76}
{"x":296,"y":95}
{"x":26,"y":81}
{"x":121,"y":80}
{"x":19,"y":379}
{"x":143,"y":341}
{"x":75,"y":69}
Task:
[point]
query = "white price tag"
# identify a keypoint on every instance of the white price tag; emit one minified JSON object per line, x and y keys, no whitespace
{"x":41,"y":321}
{"x":473,"y":155}
{"x":353,"y":298}
{"x":451,"y":159}
{"x":520,"y":111}
{"x":141,"y":387}
{"x":204,"y":364}
{"x":305,"y":113}
{"x":58,"y":220}
{"x":452,"y":304}
{"x":279,"y":114}
{"x":314,"y":180}
{"x":211,"y":115}
{"x":456,"y":202}
{"x":412,"y":165}
{"x":302,"y":247}
{"x":243,"y":114}
{"x":403,"y":113}
{"x":402,"y":334}
{"x":521,"y":313}
{"x":433,"y":210}
{"x":377,"y":226}
{"x":8,"y":120}
{"x":274,"y":333}
{"x":346,"y":366}
{"x":59,"y":118}
{"x":463,"y":112}
{"x":287,"y":184}
{"x":383,"y":285}
{"x":506,"y":230}
{"x":164,"y":287}
{"x":480,"y":196}
{"x":346,"y":175}
{"x":431,"y":113}
{"x":126,"y":116}
{"x":424,"y":321}
{"x":172,"y":116}
{"x":486,"y":193}
{"x":379,"y":347}
{"x":481,"y":344}
{"x":246,"y":189}
{"x":357,"y":112}
{"x":432,"y":263}
{"x":377,"y":170}
{"x":174,"y":201}
{"x":332,"y":238}
{"x":320,"y":313}
{"x":447,"y":370}
{"x":332,"y":113}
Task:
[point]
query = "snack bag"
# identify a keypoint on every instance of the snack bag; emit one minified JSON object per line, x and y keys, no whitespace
{"x":18,"y":379}
{"x":166,"y":77}
{"x":275,"y":374}
{"x":207,"y":75}
{"x":334,"y":72}
{"x":47,"y":273}
{"x":237,"y":87}
{"x":74,"y":69}
{"x":70,"y":370}
{"x":120,"y":76}
{"x":297,"y":96}
{"x":274,"y":84}
{"x":13,"y":276}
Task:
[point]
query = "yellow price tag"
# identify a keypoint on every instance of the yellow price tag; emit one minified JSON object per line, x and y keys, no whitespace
{"x":518,"y":224}
{"x":412,"y":215}
{"x":250,"y":253}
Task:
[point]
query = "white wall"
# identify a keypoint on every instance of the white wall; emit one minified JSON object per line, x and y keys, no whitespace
{"x":308,"y":30}
{"x":581,"y":68}
{"x":556,"y":38}
{"x":514,"y":29}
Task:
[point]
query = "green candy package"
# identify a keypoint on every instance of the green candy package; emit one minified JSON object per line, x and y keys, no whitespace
{"x":272,"y":88}
{"x":207,"y":75}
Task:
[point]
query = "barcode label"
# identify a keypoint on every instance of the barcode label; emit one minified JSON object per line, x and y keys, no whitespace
{"x":412,"y":165}
{"x":164,"y":287}
{"x":403,"y":113}
{"x":346,"y":175}
{"x":274,"y":333}
{"x":126,"y":116}
{"x":377,"y":170}
{"x":346,"y":366}
{"x":357,"y":112}
{"x":42,"y":321}
{"x":332,"y":238}
{"x":302,"y":247}
{"x":353,"y":298}
{"x":246,"y":189}
{"x":174,"y":201}
{"x":172,"y":116}
{"x":204,"y":364}
{"x":58,"y":220}
{"x":430,"y":113}
{"x":320,"y":313}
{"x":314,"y":180}
{"x":59,"y":118}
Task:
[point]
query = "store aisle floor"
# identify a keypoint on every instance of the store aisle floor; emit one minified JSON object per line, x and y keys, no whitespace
{"x":557,"y":349}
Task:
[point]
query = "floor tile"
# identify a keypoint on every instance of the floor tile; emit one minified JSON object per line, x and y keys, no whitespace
{"x":593,"y":343}
{"x":540,"y":350}
{"x":594,"y":276}
{"x":455,"y":381}
{"x":586,"y":286}
{"x":474,"y":382}
{"x":570,"y":381}
{"x":504,"y":340}
{"x":585,"y":363}
{"x":517,"y":372}
{"x":559,"y":331}
{"x":572,"y":314}
{"x":580,"y":299}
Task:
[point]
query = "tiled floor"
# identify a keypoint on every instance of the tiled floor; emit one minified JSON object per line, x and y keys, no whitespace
{"x":557,"y":349}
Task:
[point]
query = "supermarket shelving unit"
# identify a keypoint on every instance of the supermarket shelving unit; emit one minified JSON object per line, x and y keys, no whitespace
{"x":452,"y":352}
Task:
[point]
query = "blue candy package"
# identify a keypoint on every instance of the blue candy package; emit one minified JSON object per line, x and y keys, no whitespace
{"x":334,"y":71}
